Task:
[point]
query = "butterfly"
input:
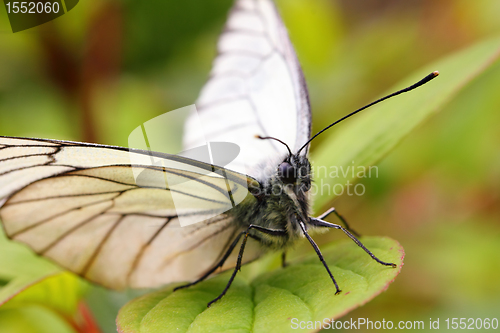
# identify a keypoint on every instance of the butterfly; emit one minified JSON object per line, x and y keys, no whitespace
{"x":82,"y":206}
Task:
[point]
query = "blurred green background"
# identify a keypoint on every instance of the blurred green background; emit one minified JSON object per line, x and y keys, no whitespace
{"x":106,"y":67}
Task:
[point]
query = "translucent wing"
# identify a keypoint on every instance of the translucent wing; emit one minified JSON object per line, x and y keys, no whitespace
{"x":256,"y":87}
{"x":81,"y":206}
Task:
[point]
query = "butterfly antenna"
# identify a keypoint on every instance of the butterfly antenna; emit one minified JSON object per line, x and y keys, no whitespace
{"x":272,"y":138}
{"x":413,"y":86}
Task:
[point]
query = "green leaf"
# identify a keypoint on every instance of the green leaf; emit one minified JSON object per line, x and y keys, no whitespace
{"x":316,"y":33}
{"x":26,"y":278}
{"x":36,"y":296}
{"x":20,"y":268}
{"x":302,"y":290}
{"x":366,"y":138}
{"x":60,"y":292}
{"x":32,"y":319}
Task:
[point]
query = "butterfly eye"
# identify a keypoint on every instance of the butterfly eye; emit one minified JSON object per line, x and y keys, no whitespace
{"x":287,"y":173}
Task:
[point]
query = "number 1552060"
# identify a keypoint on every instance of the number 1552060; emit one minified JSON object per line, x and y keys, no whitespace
{"x":32,"y":7}
{"x":471,"y":323}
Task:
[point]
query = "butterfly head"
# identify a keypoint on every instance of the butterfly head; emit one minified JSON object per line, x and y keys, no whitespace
{"x":295,"y":171}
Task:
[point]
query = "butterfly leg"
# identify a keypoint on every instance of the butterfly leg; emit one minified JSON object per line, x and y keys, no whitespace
{"x":340,"y":217}
{"x":245,"y":234}
{"x":283,"y":259}
{"x":320,"y":255}
{"x":219,"y":264}
{"x":320,"y":223}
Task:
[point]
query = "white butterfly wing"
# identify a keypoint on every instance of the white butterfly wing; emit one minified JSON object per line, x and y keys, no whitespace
{"x":256,"y":87}
{"x":81,"y":206}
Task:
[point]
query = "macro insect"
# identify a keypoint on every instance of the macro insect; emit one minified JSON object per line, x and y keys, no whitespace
{"x":81,"y":205}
